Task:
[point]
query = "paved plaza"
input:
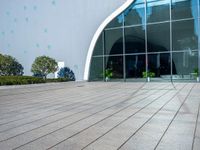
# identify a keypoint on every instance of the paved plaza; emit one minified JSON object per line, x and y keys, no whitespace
{"x":100,"y":116}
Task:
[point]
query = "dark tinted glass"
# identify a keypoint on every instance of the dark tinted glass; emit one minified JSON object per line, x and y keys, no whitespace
{"x":135,"y":66}
{"x":160,"y":65}
{"x":116,"y":22}
{"x":135,"y":14}
{"x":158,"y":37}
{"x":185,"y":64}
{"x":184,"y":9}
{"x":115,"y":64}
{"x":135,"y":39}
{"x":113,"y":42}
{"x":185,"y":35}
{"x":158,"y":11}
{"x":98,"y":50}
{"x":96,"y":69}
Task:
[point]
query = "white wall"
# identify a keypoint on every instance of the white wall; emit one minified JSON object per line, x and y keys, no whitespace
{"x":62,"y":29}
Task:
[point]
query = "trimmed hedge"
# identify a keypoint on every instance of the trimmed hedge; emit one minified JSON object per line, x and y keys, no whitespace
{"x":20,"y":80}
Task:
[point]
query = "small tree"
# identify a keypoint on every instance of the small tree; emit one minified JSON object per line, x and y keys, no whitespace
{"x":66,"y":73}
{"x":44,"y":65}
{"x":9,"y":66}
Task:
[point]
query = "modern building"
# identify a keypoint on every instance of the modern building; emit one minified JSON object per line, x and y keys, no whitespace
{"x":155,"y":37}
{"x":130,"y":39}
{"x":62,"y":29}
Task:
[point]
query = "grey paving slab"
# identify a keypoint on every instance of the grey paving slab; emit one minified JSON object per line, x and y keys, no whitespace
{"x":97,"y":115}
{"x":196,"y":142}
{"x":59,"y":125}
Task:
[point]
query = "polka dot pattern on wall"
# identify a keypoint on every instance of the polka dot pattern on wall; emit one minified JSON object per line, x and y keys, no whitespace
{"x":49,"y":47}
{"x":25,"y":15}
{"x":12,"y":31}
{"x":25,"y":7}
{"x":37,"y":45}
{"x":45,"y":30}
{"x":27,"y":19}
{"x":34,"y":7}
{"x":53,"y":2}
{"x":3,"y":33}
{"x":15,"y":20}
{"x":8,"y":13}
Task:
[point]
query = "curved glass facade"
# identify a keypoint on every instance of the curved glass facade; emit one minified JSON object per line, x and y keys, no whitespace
{"x":155,"y":37}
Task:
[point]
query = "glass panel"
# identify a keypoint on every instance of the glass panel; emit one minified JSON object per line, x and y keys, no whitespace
{"x":135,"y":66}
{"x":98,"y":50}
{"x":185,"y":64}
{"x":115,"y":65}
{"x":135,"y":39}
{"x":185,"y":35}
{"x":159,"y":65}
{"x":184,"y":9}
{"x":158,"y":11}
{"x":96,"y":69}
{"x":113,"y":42}
{"x":135,"y":14}
{"x":158,"y":37}
{"x":116,"y":22}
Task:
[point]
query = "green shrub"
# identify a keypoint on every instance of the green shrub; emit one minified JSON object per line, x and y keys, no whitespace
{"x":57,"y":80}
{"x":44,"y":65}
{"x":9,"y":66}
{"x":148,"y":74}
{"x":196,"y":72}
{"x":20,"y":80}
{"x":108,"y":73}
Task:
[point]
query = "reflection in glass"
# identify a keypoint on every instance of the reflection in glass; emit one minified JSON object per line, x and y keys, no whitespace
{"x":158,"y":11}
{"x":160,"y":65}
{"x":135,"y":40}
{"x":158,"y":36}
{"x":96,"y":69}
{"x":184,"y":9}
{"x":98,"y":50}
{"x":135,"y":14}
{"x":185,"y":65}
{"x":113,"y":41}
{"x":185,"y":35}
{"x":135,"y":66}
{"x":130,"y":46}
{"x":117,"y":22}
{"x":115,"y":63}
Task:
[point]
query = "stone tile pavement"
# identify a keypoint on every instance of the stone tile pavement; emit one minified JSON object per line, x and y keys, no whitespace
{"x":100,"y":116}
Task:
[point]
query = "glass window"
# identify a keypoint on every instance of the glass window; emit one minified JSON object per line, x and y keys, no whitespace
{"x":158,"y":11}
{"x":135,"y":14}
{"x":184,"y":9}
{"x":96,"y":69}
{"x":185,"y":35}
{"x":160,"y":65}
{"x":115,"y":65}
{"x":135,"y":66}
{"x":113,"y":42}
{"x":185,"y":64}
{"x":135,"y":39}
{"x":116,"y":22}
{"x":158,"y":36}
{"x":98,"y":50}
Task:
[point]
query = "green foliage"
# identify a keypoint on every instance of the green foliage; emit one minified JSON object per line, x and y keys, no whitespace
{"x":57,"y":80}
{"x":148,"y":74}
{"x":44,"y":65}
{"x":108,"y":73}
{"x":67,"y":73}
{"x":9,"y":66}
{"x":19,"y":80}
{"x":196,"y":72}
